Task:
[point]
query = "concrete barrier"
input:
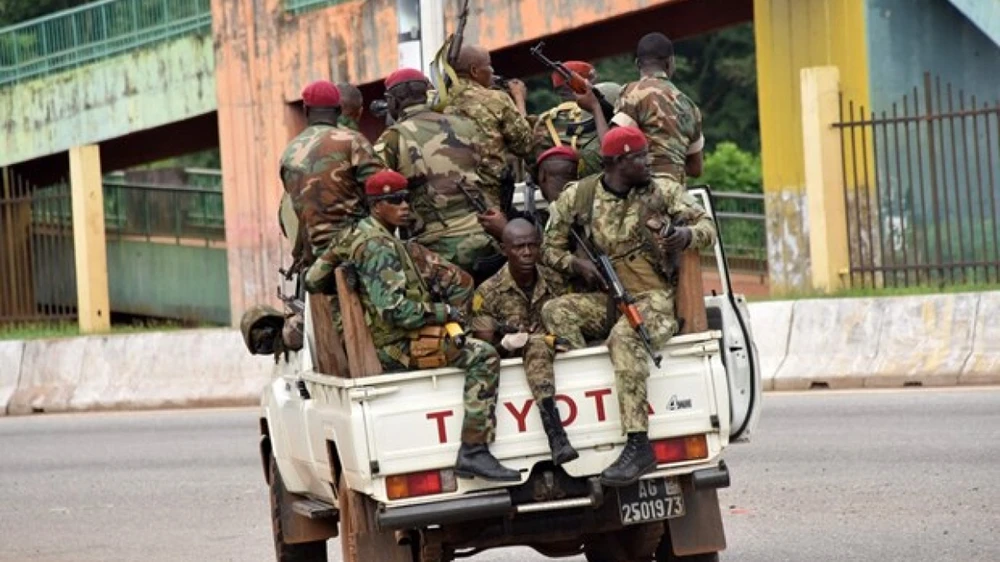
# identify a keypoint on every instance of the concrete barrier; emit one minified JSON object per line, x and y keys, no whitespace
{"x":924,"y":340}
{"x":832,"y":345}
{"x":771,"y":323}
{"x":135,"y":371}
{"x":11,"y":353}
{"x":983,"y":365}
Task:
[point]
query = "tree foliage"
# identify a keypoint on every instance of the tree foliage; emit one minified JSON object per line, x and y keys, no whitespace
{"x":17,"y":11}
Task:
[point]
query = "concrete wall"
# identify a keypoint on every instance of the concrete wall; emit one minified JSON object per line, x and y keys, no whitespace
{"x":110,"y":98}
{"x":908,"y":37}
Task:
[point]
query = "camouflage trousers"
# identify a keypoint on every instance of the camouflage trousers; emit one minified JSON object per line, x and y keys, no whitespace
{"x":463,"y":250}
{"x":538,"y":357}
{"x":482,"y":375}
{"x":582,"y":317}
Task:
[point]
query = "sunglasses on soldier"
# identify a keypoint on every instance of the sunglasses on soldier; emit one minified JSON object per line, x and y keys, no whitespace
{"x":397,"y":198}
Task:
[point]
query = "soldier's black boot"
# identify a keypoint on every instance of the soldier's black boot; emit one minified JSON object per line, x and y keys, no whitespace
{"x":562,"y":451}
{"x":636,"y":459}
{"x":477,"y":460}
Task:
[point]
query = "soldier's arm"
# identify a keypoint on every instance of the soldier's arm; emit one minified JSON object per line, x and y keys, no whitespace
{"x":694,"y":160}
{"x":555,"y":244}
{"x":381,"y":274}
{"x":683,"y":205}
{"x":387,"y":148}
{"x":484,"y":324}
{"x":514,"y":127}
{"x":363,"y":159}
{"x":446,"y":280}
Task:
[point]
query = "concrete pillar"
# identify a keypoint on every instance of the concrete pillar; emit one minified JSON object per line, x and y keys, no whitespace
{"x":88,"y":239}
{"x":824,"y":165}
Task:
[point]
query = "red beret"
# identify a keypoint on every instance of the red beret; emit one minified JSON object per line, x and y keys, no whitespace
{"x":584,"y":69}
{"x":622,"y":140}
{"x":385,"y":182}
{"x":564,"y":152}
{"x":404,"y":75}
{"x":321,"y":93}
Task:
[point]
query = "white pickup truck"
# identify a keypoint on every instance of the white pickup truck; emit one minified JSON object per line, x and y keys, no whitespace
{"x":370,"y":458}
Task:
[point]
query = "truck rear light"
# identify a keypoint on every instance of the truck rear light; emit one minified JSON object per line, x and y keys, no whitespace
{"x":678,"y":449}
{"x":424,"y":483}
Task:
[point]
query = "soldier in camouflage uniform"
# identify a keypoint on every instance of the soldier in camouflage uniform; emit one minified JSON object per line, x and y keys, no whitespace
{"x":323,"y":171}
{"x":507,"y":310}
{"x":569,"y":124}
{"x":437,"y":153}
{"x":670,"y":120}
{"x":617,"y":211}
{"x":503,"y":129}
{"x":406,"y":289}
{"x":352,"y":106}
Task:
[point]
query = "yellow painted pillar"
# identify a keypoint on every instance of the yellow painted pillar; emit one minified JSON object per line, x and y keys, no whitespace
{"x":88,"y":239}
{"x":824,"y":165}
{"x":791,"y":35}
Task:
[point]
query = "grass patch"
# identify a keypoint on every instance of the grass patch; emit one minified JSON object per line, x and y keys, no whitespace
{"x":43,"y":330}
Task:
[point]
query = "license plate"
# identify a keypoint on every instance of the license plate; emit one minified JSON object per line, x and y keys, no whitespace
{"x":650,"y":500}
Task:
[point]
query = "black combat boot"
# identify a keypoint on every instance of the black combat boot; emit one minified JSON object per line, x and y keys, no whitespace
{"x":562,"y":451}
{"x":636,"y":459}
{"x":477,"y":460}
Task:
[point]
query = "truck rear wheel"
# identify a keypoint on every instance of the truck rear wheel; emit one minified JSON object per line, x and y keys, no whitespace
{"x":286,"y":552}
{"x":360,"y":541}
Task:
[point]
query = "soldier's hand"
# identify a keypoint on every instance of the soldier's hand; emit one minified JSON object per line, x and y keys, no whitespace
{"x":588,"y":101}
{"x":515,"y":341}
{"x":455,"y":314}
{"x":679,"y":240}
{"x":588,"y":271}
{"x":517,"y":89}
{"x":493,"y":222}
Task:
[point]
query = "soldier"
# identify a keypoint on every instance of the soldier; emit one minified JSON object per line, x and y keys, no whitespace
{"x":670,"y":120}
{"x":555,"y":167}
{"x":323,"y":171}
{"x":569,"y":124}
{"x":352,"y":106}
{"x":437,"y":153}
{"x":408,"y":294}
{"x":511,"y":301}
{"x":502,"y":126}
{"x":621,"y":207}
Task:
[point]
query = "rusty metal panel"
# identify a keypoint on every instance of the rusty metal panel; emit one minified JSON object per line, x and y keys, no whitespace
{"x":145,"y":88}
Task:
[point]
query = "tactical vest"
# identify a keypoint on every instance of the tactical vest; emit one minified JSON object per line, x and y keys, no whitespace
{"x":384,"y":333}
{"x":639,"y":267}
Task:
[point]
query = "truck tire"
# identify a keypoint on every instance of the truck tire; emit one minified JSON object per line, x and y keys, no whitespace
{"x":665,"y":553}
{"x":360,"y":541}
{"x":285,"y":552}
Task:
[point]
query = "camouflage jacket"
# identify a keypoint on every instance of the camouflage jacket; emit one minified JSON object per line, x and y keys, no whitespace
{"x":347,"y":123}
{"x":499,"y":301}
{"x":573,"y":127}
{"x":670,"y":120}
{"x":436,"y":153}
{"x":324,"y":170}
{"x":617,"y":227}
{"x":404,"y":286}
{"x":503,"y":130}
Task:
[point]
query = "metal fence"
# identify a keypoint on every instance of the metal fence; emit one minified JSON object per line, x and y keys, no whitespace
{"x":95,"y":31}
{"x":742,"y":229}
{"x":921,"y":186}
{"x":159,"y":213}
{"x":37,"y":269}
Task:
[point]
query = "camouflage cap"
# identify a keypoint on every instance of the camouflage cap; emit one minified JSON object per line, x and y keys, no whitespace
{"x":261,"y":327}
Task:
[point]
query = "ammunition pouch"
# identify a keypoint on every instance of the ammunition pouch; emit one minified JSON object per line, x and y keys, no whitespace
{"x":430,"y":348}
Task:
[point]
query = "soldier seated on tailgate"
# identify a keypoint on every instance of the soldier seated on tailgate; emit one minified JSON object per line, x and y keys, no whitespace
{"x":409,"y":294}
{"x":507,"y":311}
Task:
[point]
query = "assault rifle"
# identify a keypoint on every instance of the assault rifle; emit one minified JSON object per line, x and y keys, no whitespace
{"x":455,"y":47}
{"x":477,"y":203}
{"x":616,"y":290}
{"x":573,"y":79}
{"x":530,"y":210}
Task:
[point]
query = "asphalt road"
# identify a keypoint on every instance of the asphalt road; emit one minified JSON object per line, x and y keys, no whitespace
{"x":908,"y":475}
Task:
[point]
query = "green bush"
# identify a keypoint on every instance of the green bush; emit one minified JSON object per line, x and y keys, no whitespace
{"x":728,"y":168}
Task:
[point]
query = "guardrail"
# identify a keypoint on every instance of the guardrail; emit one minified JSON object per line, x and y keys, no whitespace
{"x":743,"y":229}
{"x":95,"y":31}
